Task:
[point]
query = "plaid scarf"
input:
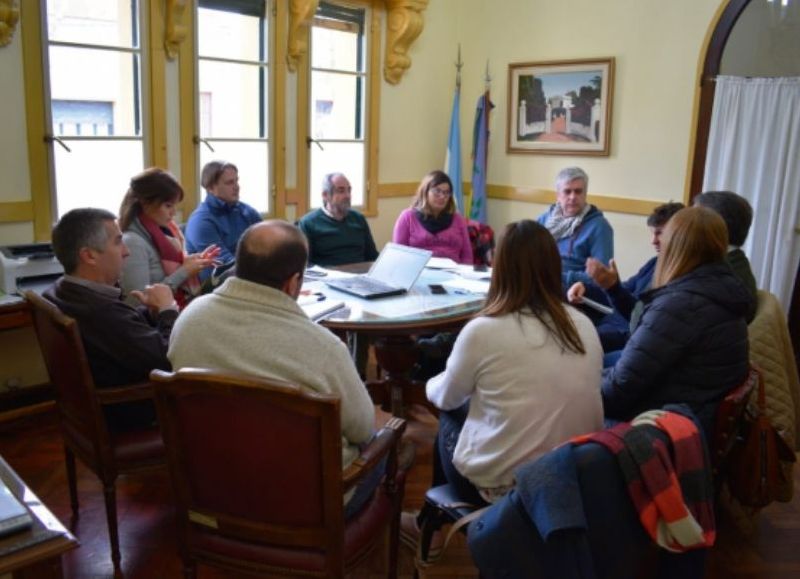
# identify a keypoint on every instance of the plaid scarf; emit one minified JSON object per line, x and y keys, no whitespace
{"x":672,"y":492}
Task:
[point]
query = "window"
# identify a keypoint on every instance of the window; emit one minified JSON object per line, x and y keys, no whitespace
{"x":94,"y":91}
{"x":338,"y":96}
{"x":233,"y":92}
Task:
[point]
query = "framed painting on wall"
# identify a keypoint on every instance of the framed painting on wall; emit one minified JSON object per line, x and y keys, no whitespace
{"x":561,"y":107}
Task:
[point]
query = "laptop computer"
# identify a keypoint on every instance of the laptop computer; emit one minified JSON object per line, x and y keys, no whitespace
{"x":393,"y":273}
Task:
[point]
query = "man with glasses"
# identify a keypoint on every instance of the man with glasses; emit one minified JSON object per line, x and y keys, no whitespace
{"x":580,"y":230}
{"x":336,"y":233}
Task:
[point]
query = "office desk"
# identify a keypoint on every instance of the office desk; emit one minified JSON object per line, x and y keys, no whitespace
{"x":36,"y":552}
{"x":391,"y":323}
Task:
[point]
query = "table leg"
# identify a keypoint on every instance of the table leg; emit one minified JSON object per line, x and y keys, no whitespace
{"x":396,"y":355}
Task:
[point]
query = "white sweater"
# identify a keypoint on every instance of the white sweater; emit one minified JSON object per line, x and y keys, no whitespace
{"x":526,"y":394}
{"x":256,"y":330}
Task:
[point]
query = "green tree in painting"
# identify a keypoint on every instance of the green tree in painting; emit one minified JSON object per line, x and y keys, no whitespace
{"x":530,"y":90}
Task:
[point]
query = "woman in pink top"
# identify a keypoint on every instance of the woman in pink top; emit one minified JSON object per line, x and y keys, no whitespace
{"x":432,"y":221}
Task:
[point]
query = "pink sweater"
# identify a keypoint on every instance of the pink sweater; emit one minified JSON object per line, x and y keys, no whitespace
{"x":452,"y":242}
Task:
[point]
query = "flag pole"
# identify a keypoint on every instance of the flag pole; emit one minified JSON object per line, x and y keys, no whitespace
{"x":452,"y":161}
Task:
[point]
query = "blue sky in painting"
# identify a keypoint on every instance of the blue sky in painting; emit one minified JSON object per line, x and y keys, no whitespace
{"x":560,"y":83}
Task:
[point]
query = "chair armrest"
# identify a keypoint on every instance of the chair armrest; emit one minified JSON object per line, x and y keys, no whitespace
{"x":385,"y":442}
{"x":141,"y":391}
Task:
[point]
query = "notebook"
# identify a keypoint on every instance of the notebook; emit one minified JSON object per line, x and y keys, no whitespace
{"x":393,"y":273}
{"x":13,"y":514}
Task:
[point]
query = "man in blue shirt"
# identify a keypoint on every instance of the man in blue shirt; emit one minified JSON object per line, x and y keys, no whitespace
{"x":221,"y":218}
{"x":579,"y":228}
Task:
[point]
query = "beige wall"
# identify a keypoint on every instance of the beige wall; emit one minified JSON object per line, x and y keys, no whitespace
{"x":656,"y":45}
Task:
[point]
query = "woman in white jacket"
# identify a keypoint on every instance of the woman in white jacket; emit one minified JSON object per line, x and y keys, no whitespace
{"x":524,"y":376}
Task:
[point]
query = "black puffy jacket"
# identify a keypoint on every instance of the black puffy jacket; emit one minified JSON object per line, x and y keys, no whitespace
{"x":690,"y":347}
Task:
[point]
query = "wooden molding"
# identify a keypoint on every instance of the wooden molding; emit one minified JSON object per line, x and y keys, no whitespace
{"x":9,"y":16}
{"x":404,"y":23}
{"x":175,"y":29}
{"x":628,"y":205}
{"x":16,"y":211}
{"x":300,"y":14}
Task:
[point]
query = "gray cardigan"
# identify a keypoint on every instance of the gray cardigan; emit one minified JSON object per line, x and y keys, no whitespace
{"x":143,"y":266}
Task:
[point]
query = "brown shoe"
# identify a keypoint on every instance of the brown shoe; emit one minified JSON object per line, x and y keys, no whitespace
{"x":410,"y":535}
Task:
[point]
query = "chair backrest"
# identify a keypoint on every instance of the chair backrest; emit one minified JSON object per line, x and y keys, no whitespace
{"x":82,"y":421}
{"x":252,"y":459}
{"x":729,"y":419}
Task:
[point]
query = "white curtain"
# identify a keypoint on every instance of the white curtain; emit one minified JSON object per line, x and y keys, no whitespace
{"x":754,"y":150}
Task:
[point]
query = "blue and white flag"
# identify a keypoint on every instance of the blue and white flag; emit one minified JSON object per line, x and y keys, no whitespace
{"x":480,"y":157}
{"x":452,"y":161}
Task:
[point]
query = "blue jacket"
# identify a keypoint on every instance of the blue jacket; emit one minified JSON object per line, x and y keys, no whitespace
{"x":593,"y":238}
{"x":690,"y":347}
{"x":614,"y":329}
{"x":215,"y":221}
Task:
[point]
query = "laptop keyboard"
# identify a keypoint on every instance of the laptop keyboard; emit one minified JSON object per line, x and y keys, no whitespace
{"x":363,"y":284}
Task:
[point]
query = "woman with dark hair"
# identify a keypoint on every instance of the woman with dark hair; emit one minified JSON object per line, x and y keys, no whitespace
{"x":690,"y":345}
{"x":524,"y":375}
{"x":153,"y":239}
{"x":432,"y":222}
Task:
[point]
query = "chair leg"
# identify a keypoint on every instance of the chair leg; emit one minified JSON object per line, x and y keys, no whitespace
{"x":110,"y":492}
{"x":394,"y":537}
{"x":72,"y":482}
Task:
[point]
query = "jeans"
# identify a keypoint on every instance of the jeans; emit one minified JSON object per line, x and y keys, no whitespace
{"x":450,"y":424}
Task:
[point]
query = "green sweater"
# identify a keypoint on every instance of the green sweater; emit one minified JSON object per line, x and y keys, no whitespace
{"x":333,"y":242}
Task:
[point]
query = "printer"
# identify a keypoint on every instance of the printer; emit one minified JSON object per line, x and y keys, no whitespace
{"x":33,"y":266}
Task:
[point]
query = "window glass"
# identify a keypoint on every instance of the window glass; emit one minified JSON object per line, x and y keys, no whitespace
{"x":233,"y":100}
{"x":96,"y":173}
{"x":337,"y":108}
{"x":101,"y":22}
{"x":233,"y":92}
{"x":95,"y":100}
{"x":89,"y":75}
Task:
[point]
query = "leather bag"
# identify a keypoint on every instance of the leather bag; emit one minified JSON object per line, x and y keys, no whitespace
{"x":754,"y":472}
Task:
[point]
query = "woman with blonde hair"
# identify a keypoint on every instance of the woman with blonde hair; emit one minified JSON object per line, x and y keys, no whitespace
{"x":154,"y":241}
{"x":432,"y":222}
{"x":524,"y":375}
{"x":690,"y":345}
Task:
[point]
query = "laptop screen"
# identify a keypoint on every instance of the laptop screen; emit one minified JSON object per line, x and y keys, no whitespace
{"x":399,"y":265}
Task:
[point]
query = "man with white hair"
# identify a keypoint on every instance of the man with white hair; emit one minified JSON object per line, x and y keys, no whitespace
{"x":579,"y":228}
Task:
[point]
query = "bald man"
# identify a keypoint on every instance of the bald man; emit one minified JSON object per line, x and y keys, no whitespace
{"x":252,"y":324}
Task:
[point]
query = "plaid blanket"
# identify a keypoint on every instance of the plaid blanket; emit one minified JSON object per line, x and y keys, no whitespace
{"x":672,"y":492}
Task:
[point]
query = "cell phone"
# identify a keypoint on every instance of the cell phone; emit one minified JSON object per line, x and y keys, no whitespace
{"x":480,"y":267}
{"x":437,"y":288}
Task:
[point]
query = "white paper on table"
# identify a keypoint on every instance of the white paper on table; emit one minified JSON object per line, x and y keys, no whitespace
{"x":472,"y":286}
{"x":441,"y":263}
{"x":402,"y":306}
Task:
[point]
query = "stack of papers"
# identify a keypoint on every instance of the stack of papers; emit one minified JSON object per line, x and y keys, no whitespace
{"x":317,"y":310}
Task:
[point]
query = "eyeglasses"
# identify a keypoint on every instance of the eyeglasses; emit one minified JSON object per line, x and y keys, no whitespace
{"x":440,"y":192}
{"x":577,"y":191}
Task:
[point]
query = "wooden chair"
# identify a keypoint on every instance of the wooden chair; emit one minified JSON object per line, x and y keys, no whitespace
{"x":256,"y":469}
{"x":106,"y":453}
{"x":728,"y":423}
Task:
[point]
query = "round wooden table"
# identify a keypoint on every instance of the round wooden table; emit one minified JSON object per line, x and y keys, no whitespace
{"x":392,"y":323}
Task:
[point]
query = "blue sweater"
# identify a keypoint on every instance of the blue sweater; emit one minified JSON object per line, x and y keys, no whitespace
{"x":593,"y":238}
{"x":215,"y":221}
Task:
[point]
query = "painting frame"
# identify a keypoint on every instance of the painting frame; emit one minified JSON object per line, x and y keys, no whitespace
{"x":567,"y":109}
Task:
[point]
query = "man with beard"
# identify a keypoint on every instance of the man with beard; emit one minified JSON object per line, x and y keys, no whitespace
{"x":336,"y":233}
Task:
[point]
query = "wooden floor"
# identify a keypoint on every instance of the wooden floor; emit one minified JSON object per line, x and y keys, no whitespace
{"x":33,"y":448}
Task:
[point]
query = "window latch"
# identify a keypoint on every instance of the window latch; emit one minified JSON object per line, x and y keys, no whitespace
{"x":54,"y":139}
{"x":309,"y":140}
{"x":197,"y":140}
